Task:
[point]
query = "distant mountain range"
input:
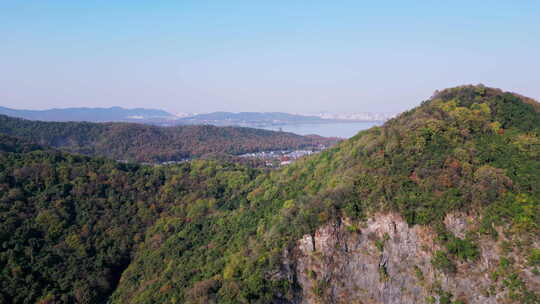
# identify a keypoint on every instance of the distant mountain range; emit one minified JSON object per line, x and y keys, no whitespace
{"x":251,"y":119}
{"x":164,"y":118}
{"x":113,"y":114}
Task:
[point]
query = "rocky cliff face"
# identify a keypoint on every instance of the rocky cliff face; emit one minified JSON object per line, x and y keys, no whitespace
{"x":383,"y":260}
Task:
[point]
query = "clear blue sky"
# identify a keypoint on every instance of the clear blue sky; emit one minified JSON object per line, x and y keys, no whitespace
{"x":295,"y":56}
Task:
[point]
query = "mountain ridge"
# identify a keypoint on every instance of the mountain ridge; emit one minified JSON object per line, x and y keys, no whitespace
{"x":146,"y":143}
{"x":91,"y":114}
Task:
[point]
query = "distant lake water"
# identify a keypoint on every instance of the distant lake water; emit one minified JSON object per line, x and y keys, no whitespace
{"x":336,"y":129}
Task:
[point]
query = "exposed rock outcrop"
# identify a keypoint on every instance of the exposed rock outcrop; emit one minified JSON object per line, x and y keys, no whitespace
{"x":386,"y":261}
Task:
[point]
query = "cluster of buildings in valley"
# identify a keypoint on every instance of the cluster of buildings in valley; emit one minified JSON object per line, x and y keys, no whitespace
{"x":272,"y":159}
{"x":165,"y":163}
{"x":280,"y":158}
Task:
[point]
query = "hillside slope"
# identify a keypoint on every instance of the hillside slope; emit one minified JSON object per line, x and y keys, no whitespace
{"x":310,"y":232}
{"x":69,"y":224}
{"x":144,"y":143}
{"x":439,"y":205}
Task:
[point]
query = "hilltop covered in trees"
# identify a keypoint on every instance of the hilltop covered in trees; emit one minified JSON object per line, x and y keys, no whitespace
{"x":80,"y":229}
{"x":144,"y":143}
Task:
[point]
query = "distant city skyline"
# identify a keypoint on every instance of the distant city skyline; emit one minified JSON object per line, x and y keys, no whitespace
{"x":278,"y":56}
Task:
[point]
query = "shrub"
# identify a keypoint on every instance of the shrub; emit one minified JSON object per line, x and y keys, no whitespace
{"x":441,"y":262}
{"x":464,"y":249}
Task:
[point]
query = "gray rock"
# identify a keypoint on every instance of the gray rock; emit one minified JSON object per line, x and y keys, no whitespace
{"x":386,"y":261}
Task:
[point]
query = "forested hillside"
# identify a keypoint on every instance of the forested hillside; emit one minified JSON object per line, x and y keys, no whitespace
{"x":471,"y":150}
{"x":69,"y":224}
{"x":144,"y":143}
{"x":452,"y":185}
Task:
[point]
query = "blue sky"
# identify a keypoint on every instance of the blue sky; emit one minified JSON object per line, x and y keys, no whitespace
{"x":294,"y":56}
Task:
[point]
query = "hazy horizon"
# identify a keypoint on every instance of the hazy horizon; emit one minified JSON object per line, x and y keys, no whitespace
{"x":194,"y":113}
{"x":240,"y":56}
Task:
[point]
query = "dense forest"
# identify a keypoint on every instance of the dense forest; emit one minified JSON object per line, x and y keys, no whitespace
{"x":69,"y":223}
{"x":145,"y":143}
{"x":77,"y":229}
